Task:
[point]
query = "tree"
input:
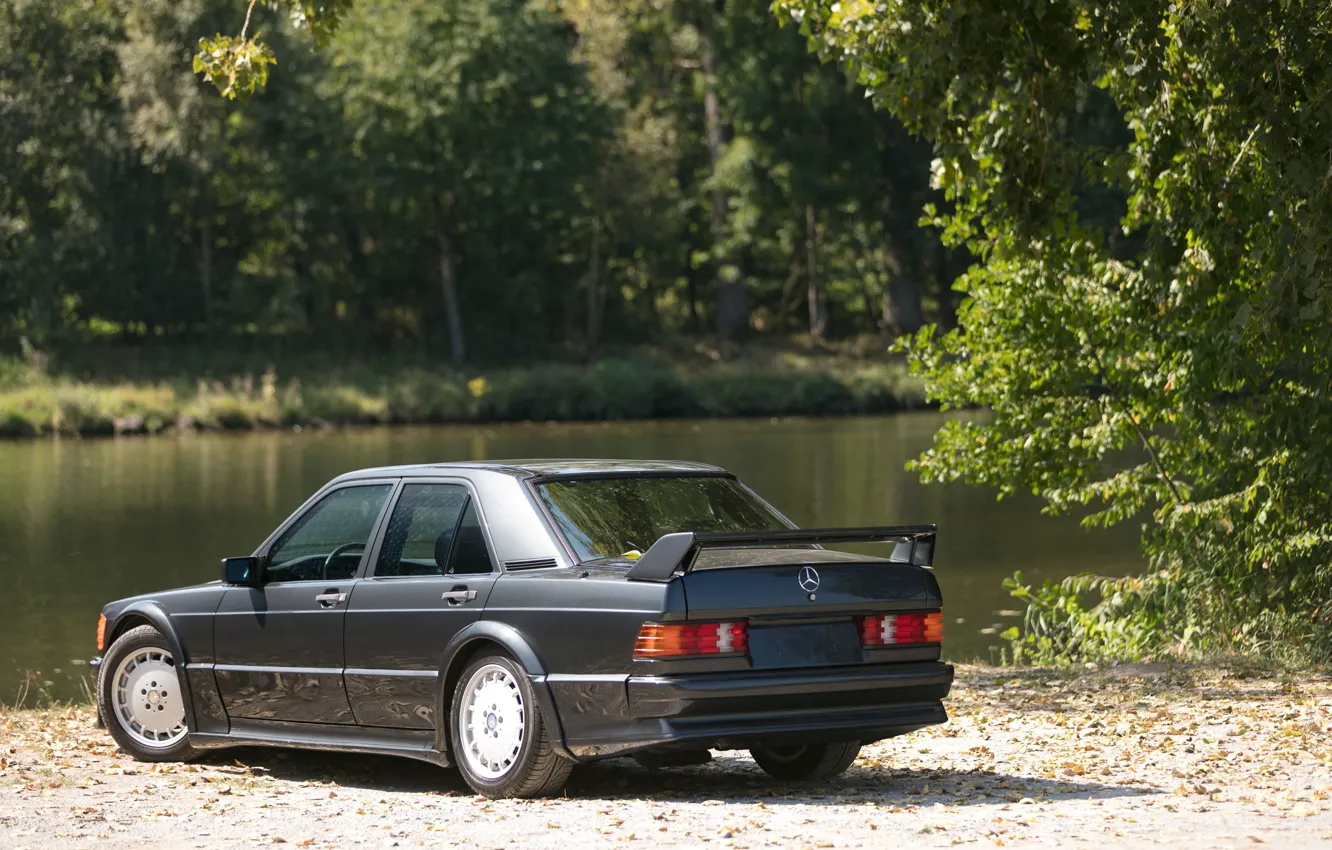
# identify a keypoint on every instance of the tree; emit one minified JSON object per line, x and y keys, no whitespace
{"x":57,"y":143}
{"x":476,"y":125}
{"x":557,"y":169}
{"x":1179,"y":376}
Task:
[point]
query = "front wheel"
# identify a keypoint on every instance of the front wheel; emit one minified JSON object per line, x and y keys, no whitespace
{"x":140,"y":698}
{"x":807,"y":761}
{"x":500,"y":740}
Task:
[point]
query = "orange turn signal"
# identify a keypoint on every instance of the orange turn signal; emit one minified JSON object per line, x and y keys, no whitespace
{"x":101,"y":632}
{"x":934,"y":627}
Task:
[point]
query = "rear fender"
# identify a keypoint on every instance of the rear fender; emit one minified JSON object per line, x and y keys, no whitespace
{"x":510,"y":640}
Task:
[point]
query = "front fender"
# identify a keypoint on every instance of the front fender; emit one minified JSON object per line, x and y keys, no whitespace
{"x":512,"y":641}
{"x":133,"y":615}
{"x":156,"y":616}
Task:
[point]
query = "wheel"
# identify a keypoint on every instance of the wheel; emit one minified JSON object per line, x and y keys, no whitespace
{"x":500,"y":741}
{"x":140,"y":700}
{"x":807,"y":761}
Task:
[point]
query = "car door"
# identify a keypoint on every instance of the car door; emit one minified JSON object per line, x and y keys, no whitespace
{"x":279,"y":645}
{"x":432,"y":574}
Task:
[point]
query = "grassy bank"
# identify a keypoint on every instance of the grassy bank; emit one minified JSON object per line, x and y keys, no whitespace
{"x":37,"y":402}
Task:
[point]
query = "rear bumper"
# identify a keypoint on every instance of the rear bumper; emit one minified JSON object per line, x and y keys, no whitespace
{"x":726,"y":711}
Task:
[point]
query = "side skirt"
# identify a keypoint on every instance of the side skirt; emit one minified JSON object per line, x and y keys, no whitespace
{"x":416,"y":744}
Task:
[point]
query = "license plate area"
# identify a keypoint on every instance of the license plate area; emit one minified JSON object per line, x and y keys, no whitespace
{"x":824,"y":643}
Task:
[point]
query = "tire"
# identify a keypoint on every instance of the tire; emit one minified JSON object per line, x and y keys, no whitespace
{"x":140,"y":697}
{"x":501,"y":743}
{"x":807,"y":761}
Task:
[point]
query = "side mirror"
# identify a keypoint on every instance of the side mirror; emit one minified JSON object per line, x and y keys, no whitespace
{"x":242,"y":571}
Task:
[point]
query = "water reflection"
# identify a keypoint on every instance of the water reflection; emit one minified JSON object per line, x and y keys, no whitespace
{"x":83,"y":522}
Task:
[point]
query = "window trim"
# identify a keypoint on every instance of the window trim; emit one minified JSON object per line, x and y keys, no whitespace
{"x":376,"y":528}
{"x":367,"y":566}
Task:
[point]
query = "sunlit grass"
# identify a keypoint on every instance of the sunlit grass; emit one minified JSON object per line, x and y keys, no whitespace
{"x":33,"y":403}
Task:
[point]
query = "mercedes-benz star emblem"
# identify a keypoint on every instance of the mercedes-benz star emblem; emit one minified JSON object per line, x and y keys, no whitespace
{"x":809,"y":579}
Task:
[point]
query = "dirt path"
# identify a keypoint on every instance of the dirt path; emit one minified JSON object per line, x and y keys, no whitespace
{"x":1129,"y":757}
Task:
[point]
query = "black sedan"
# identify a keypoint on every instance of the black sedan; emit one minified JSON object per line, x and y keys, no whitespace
{"x":516,"y":618}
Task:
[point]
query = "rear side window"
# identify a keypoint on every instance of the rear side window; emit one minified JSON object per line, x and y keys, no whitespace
{"x":422,"y":530}
{"x":470,"y":555}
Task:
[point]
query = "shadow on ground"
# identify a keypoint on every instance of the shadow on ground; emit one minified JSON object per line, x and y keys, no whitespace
{"x":731,"y":777}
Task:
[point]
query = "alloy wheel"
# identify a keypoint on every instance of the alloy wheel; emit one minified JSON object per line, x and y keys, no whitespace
{"x":148,"y":703}
{"x":493,"y":722}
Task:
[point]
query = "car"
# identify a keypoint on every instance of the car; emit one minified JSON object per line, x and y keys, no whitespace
{"x":515,"y":618}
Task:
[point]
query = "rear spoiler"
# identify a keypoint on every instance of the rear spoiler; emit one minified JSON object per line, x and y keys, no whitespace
{"x":677,"y":551}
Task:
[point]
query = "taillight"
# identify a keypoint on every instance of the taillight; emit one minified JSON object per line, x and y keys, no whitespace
{"x":897,"y":629}
{"x":101,"y":632}
{"x":673,"y":640}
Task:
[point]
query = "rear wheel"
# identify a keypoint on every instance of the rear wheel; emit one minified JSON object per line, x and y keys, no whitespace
{"x":140,"y":698}
{"x":500,"y":739}
{"x":807,"y":761}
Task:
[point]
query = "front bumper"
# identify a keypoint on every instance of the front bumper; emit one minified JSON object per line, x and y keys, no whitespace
{"x":730,"y":711}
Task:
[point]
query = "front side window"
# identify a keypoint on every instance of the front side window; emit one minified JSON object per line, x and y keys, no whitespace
{"x":422,"y":530}
{"x":327,"y":542}
{"x":620,"y":518}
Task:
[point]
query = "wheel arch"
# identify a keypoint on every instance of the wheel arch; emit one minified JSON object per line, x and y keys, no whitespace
{"x":475,"y":639}
{"x":152,"y":614}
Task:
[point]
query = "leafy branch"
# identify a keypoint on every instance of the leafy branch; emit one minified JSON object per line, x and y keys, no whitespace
{"x":239,"y":65}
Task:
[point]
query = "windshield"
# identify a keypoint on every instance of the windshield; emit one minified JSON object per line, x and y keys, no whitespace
{"x":620,"y":518}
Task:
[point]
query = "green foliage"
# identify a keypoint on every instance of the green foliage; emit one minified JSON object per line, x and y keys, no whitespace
{"x":486,"y":182}
{"x":237,"y":66}
{"x":1166,"y":361}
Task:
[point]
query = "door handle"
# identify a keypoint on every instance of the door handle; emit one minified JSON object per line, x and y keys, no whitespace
{"x":458,"y":597}
{"x":330,"y":599}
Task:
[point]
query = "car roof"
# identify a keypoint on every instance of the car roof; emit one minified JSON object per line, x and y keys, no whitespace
{"x":543,"y":467}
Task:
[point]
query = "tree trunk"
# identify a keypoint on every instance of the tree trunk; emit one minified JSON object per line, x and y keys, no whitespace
{"x":732,"y":296}
{"x":818,"y":314}
{"x":449,"y":289}
{"x":873,"y":312}
{"x":901,"y":305}
{"x":691,"y":292}
{"x":594,"y":294}
{"x":650,"y":288}
{"x":206,"y":274}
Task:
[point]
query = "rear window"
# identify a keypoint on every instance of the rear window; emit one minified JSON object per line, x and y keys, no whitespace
{"x":620,"y":518}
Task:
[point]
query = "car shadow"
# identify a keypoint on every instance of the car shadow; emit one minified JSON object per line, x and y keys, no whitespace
{"x":730,"y":776}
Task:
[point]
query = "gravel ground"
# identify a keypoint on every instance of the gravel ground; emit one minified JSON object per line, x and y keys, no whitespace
{"x":1128,"y":757}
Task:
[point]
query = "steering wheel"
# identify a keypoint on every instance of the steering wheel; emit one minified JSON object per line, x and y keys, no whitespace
{"x":345,"y":547}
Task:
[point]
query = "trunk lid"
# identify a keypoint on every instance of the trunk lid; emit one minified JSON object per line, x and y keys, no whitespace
{"x":802,"y":604}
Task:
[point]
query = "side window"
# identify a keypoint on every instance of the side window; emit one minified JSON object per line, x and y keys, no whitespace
{"x":422,"y":530}
{"x":470,"y":555}
{"x":327,"y":542}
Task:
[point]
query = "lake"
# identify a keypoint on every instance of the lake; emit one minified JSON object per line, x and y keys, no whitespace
{"x":85,"y":522}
